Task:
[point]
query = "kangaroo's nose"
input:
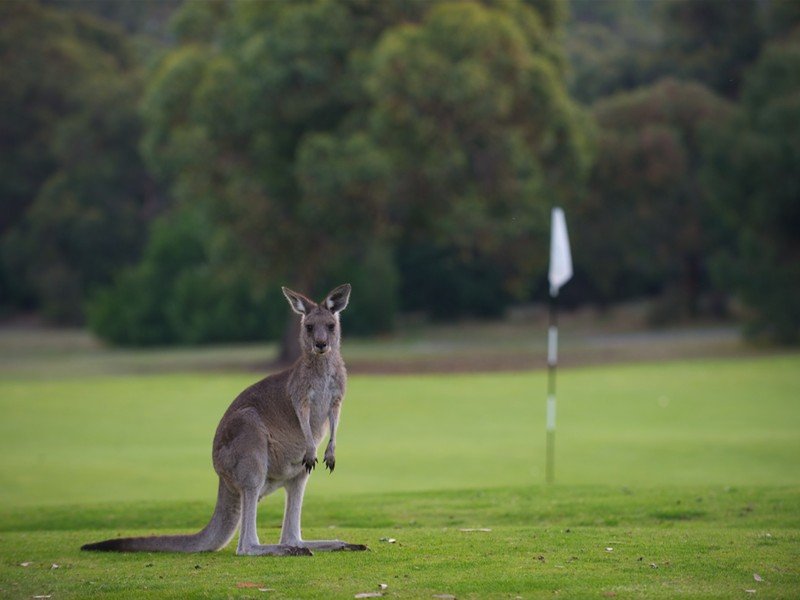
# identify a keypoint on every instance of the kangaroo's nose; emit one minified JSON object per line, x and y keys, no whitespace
{"x":321,"y":345}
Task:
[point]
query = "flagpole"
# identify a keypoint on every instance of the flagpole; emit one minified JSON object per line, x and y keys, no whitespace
{"x":559,"y":273}
{"x":552,"y":362}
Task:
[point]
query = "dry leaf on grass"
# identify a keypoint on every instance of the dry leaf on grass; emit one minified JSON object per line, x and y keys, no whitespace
{"x":757,"y":577}
{"x":368,"y":595}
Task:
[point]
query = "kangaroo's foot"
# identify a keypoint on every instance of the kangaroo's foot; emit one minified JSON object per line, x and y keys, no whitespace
{"x":273,"y":550}
{"x":332,"y":546}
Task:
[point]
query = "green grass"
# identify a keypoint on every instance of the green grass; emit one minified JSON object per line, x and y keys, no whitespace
{"x":689,"y":471}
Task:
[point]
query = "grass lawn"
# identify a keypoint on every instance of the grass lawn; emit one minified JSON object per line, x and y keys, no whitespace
{"x":678,"y":479}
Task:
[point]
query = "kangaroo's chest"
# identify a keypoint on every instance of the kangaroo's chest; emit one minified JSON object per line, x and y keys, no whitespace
{"x":316,"y":391}
{"x":321,"y":394}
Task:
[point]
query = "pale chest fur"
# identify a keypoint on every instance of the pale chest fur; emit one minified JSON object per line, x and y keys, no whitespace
{"x":320,"y":387}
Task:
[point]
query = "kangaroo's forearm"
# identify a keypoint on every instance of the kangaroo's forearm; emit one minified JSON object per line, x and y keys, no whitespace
{"x":304,"y":416}
{"x":333,"y":419}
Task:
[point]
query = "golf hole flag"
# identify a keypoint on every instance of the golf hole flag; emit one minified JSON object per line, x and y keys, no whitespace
{"x":559,"y":274}
{"x":560,"y":256}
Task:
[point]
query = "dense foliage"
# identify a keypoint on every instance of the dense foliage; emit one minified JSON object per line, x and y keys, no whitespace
{"x":75,"y":192}
{"x":753,"y":165}
{"x":328,"y":137}
{"x":646,"y":223}
{"x":471,"y":109}
{"x":167,"y":165}
{"x":683,"y":176}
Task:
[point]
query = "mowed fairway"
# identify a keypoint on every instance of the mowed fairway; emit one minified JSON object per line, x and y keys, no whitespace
{"x":673,"y":480}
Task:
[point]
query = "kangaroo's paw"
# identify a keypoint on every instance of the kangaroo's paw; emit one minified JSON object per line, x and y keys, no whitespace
{"x":310,"y":459}
{"x":330,"y":456}
{"x":309,"y":462}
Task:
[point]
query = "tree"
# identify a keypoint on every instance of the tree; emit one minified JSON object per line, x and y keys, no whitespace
{"x":713,"y":41}
{"x":646,"y":225}
{"x":782,"y":19}
{"x":752,"y":167}
{"x":272,"y":117}
{"x":613,"y":46}
{"x":74,"y":190}
{"x":147,"y":17}
{"x":256,"y":117}
{"x":471,"y":108}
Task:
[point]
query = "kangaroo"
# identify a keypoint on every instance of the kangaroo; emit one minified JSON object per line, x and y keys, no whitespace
{"x":268,"y":439}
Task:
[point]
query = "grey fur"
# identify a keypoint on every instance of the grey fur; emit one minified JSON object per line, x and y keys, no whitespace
{"x":268,"y":439}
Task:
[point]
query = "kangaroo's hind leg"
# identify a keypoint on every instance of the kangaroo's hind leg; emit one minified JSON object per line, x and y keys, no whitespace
{"x":248,"y":537}
{"x":290,"y":532}
{"x":242,"y":457}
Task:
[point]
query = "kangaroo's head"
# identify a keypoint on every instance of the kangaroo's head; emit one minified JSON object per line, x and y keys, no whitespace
{"x":320,"y":332}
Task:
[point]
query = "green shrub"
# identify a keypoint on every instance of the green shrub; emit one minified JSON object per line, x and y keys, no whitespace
{"x":448,"y":285}
{"x":129,"y":312}
{"x":181,"y":294}
{"x":205,"y":306}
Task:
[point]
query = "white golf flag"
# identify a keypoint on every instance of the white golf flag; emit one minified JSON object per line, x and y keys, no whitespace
{"x":560,"y":256}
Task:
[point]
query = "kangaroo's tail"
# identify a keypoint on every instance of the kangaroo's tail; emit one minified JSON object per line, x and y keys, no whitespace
{"x":215,"y":535}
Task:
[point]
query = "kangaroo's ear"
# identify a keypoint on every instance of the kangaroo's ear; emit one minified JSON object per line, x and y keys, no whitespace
{"x":336,"y":300}
{"x":299,"y":303}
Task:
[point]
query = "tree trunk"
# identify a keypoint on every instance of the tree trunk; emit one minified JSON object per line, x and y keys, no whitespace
{"x":691,"y":286}
{"x":290,"y":342}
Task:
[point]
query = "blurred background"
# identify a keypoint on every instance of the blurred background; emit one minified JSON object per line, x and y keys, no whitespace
{"x":167,"y":165}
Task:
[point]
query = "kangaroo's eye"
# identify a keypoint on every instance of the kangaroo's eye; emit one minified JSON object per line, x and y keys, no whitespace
{"x":331,"y":327}
{"x":309,"y":328}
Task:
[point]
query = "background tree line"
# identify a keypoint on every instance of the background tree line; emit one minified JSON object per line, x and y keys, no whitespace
{"x":166,"y":166}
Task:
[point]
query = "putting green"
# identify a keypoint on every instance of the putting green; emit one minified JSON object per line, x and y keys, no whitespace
{"x":687,"y":471}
